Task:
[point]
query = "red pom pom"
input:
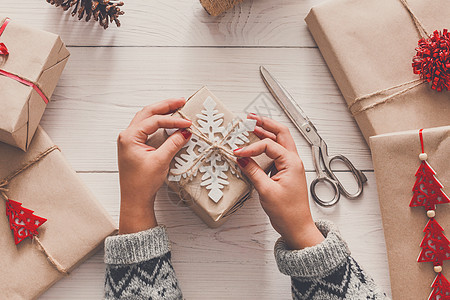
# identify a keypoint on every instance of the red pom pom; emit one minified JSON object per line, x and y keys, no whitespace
{"x":432,"y":60}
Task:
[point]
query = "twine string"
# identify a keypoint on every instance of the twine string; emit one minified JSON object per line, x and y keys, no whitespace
{"x":420,"y":28}
{"x":50,"y":258}
{"x":5,"y":181}
{"x":355,"y":111}
{"x":226,"y":153}
{"x":4,"y":188}
{"x":213,"y":146}
{"x":415,"y":83}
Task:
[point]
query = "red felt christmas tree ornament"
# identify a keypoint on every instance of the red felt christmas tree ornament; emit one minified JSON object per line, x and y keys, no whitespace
{"x":427,"y":192}
{"x":22,"y":221}
{"x":441,"y":288}
{"x":432,"y":60}
{"x":435,"y":246}
{"x":427,"y":189}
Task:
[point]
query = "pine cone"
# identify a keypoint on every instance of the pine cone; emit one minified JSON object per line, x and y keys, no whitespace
{"x":103,"y":11}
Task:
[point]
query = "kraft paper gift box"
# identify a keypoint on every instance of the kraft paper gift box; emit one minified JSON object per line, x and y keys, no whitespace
{"x":396,"y":160}
{"x":28,"y":77}
{"x":76,"y":223}
{"x":212,"y":205}
{"x":368,"y":46}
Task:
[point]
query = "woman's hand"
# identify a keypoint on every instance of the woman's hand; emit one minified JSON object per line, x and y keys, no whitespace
{"x":284,"y":196}
{"x":142,"y":168}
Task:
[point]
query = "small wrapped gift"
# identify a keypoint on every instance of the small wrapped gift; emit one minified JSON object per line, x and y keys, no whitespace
{"x":204,"y":173}
{"x":52,"y":217}
{"x":31,"y":62}
{"x":396,"y":161}
{"x":369,"y":47}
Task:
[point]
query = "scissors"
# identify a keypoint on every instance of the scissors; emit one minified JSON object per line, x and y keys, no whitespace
{"x":318,"y":145}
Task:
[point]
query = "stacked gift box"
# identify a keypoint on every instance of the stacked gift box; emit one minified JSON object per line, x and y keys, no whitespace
{"x":51,"y":222}
{"x":371,"y":47}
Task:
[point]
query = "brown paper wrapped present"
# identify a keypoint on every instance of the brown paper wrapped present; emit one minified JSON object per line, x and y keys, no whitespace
{"x":396,"y":160}
{"x":204,"y":173}
{"x":28,"y":76}
{"x":76,"y":223}
{"x":368,"y":46}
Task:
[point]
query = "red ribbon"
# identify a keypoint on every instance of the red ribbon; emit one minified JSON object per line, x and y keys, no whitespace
{"x":4,"y":25}
{"x":26,"y":82}
{"x":421,"y":139}
{"x":4,"y":51}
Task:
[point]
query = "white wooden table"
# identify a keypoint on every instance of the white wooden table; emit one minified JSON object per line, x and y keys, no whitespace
{"x":170,"y":49}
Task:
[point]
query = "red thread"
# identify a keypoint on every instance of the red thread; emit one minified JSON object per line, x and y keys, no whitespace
{"x":15,"y":77}
{"x":421,"y":140}
{"x":432,"y":60}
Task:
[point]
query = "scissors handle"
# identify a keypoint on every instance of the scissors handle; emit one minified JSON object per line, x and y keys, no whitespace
{"x":357,"y":174}
{"x":321,"y":153}
{"x":334,"y":185}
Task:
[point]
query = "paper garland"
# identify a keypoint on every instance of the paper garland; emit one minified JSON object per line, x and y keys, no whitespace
{"x":435,"y":245}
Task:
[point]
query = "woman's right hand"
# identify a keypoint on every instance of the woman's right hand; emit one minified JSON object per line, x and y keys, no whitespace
{"x":284,"y":196}
{"x":143,"y":168}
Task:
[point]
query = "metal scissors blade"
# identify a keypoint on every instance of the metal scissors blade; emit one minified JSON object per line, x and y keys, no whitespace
{"x":291,"y":108}
{"x":319,"y":147}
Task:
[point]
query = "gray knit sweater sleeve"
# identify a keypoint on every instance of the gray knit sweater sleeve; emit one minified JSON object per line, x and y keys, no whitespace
{"x":325,"y":271}
{"x":139,"y":266}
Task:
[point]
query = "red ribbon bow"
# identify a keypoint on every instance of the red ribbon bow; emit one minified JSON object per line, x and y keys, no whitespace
{"x":3,"y":49}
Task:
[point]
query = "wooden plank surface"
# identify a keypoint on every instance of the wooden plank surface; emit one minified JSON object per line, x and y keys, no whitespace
{"x":170,"y":49}
{"x":125,"y":79}
{"x":176,"y":23}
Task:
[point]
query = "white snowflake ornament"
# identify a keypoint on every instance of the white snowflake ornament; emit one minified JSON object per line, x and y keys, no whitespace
{"x":208,"y":157}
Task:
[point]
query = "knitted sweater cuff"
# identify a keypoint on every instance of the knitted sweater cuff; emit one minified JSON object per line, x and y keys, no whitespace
{"x":314,"y":261}
{"x":137,"y":247}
